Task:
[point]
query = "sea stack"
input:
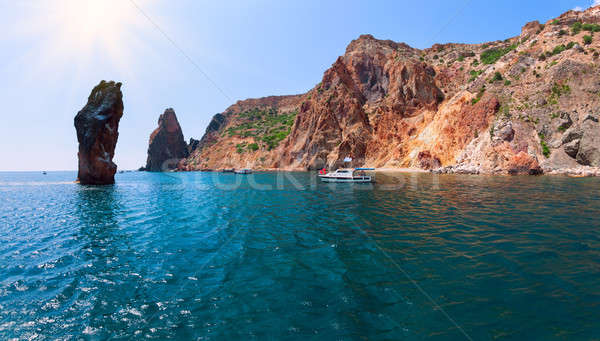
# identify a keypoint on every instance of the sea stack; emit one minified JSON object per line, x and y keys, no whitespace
{"x":97,"y":126}
{"x":167,"y":146}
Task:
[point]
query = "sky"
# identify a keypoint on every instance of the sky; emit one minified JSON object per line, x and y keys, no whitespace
{"x":199,"y":57}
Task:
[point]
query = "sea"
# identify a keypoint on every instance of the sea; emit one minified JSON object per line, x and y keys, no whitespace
{"x":282,"y":256}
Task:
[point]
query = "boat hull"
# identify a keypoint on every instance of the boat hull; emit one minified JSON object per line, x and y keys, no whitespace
{"x":356,"y":179}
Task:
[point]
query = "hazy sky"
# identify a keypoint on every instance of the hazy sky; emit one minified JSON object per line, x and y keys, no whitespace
{"x":53,"y":52}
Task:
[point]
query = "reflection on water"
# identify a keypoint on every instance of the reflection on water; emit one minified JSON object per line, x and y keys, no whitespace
{"x":184,"y":256}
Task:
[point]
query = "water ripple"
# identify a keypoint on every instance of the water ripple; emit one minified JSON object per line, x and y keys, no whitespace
{"x":180,"y":256}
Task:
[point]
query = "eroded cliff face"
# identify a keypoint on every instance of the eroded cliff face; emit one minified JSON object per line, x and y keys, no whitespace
{"x":167,"y":146}
{"x":97,"y":126}
{"x":524,"y":105}
{"x":247,"y":134}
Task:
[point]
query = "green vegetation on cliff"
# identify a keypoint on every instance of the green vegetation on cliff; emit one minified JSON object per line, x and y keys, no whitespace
{"x":578,"y":27}
{"x":266,"y":126}
{"x":492,"y":55}
{"x":545,"y":149}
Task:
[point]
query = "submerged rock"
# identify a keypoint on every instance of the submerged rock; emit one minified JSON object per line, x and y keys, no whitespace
{"x":97,"y":126}
{"x":167,"y":146}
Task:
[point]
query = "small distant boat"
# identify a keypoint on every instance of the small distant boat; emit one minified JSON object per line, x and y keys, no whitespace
{"x":44,"y":172}
{"x":347,"y":175}
{"x":243,"y":171}
{"x":227,"y":170}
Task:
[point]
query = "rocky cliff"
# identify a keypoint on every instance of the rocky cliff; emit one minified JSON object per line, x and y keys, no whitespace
{"x":167,"y":146}
{"x":97,"y":126}
{"x":247,"y":134}
{"x":524,"y":105}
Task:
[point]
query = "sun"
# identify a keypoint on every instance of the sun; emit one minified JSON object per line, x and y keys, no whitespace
{"x":79,"y":32}
{"x":95,"y":26}
{"x":91,"y":21}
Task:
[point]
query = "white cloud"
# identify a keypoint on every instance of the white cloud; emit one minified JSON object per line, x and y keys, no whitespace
{"x":594,"y":3}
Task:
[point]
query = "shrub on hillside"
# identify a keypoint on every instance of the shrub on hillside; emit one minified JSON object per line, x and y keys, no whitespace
{"x":253,"y":147}
{"x":591,"y":27}
{"x":576,"y":28}
{"x":497,"y":76}
{"x":474,"y":74}
{"x":491,"y":56}
{"x":559,"y":49}
{"x":545,"y":148}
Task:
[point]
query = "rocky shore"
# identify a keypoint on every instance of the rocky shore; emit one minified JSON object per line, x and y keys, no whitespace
{"x":581,"y":171}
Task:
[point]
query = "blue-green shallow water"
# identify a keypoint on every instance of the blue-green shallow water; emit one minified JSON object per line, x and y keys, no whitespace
{"x":182,"y":256}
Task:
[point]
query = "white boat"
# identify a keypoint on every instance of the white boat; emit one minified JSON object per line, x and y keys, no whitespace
{"x":347,"y":175}
{"x":243,"y":171}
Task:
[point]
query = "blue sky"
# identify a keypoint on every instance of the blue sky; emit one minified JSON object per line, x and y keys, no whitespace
{"x":54,"y":51}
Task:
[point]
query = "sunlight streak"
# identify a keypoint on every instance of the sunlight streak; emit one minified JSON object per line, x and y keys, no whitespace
{"x":78,"y":33}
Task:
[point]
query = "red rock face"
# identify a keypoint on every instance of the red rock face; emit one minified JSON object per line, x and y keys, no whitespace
{"x":330,"y":126}
{"x":167,"y":146}
{"x":522,"y":163}
{"x":335,"y":120}
{"x":97,"y":126}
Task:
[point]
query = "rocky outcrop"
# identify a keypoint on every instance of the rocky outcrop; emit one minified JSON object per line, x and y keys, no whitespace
{"x":525,"y":105}
{"x":246,"y":134}
{"x":428,"y":161}
{"x":97,"y":126}
{"x":589,"y":145}
{"x":167,"y":146}
{"x":193,"y":145}
{"x":212,"y":131}
{"x":523,"y":163}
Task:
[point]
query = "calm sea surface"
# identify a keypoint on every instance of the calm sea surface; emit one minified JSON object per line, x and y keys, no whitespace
{"x":280,"y":256}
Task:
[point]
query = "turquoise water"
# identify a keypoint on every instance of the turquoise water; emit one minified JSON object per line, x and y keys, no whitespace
{"x":195,"y":256}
